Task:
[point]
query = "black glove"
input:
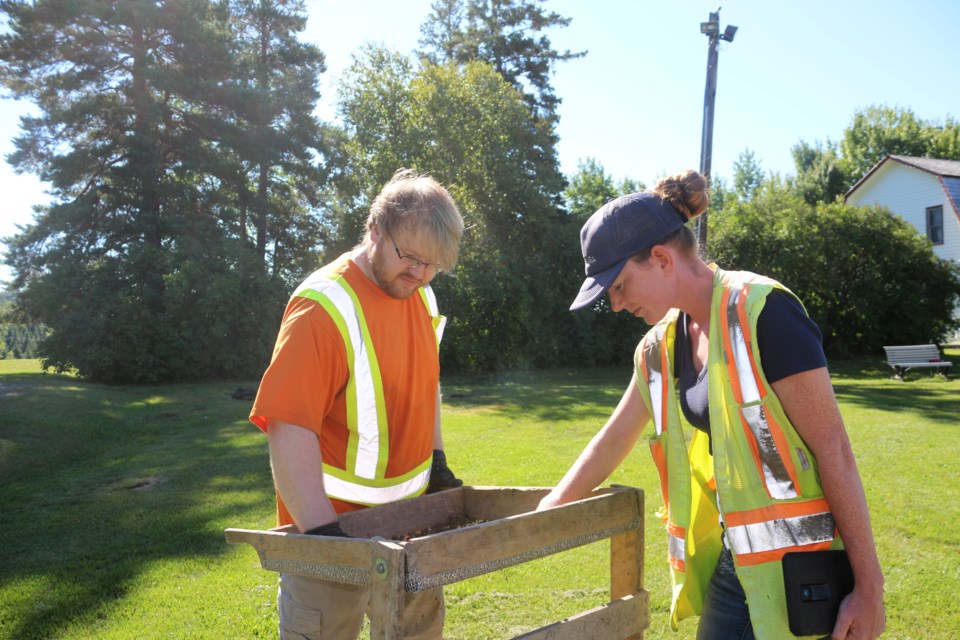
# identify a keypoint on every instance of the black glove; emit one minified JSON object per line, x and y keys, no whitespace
{"x":329,"y":529}
{"x":440,"y":475}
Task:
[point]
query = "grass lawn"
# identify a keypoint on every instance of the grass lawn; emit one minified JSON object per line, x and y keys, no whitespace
{"x":114,"y":500}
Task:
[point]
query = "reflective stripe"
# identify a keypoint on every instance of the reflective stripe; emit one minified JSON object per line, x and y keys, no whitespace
{"x":364,"y":394}
{"x":364,"y":481}
{"x":363,"y":494}
{"x":779,"y":528}
{"x":439,"y":321}
{"x":677,"y":546}
{"x":654,"y":362}
{"x":430,"y":300}
{"x":776,"y":477}
{"x":658,"y":393}
{"x":767,"y":441}
{"x":656,"y":381}
{"x":745,"y":385}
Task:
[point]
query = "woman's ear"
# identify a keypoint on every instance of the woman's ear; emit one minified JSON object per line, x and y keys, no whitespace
{"x":661,"y":256}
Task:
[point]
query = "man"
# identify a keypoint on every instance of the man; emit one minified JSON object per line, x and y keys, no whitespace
{"x":351,"y":399}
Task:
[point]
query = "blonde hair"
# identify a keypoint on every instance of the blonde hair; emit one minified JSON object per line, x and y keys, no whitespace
{"x":416,"y":203}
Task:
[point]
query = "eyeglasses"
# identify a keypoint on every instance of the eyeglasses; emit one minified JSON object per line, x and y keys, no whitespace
{"x":416,"y":263}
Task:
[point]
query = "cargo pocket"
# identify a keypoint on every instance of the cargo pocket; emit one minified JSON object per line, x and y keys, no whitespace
{"x":297,"y":622}
{"x":319,"y":610}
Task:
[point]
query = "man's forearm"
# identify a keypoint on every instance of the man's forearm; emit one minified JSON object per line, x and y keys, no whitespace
{"x":298,"y":474}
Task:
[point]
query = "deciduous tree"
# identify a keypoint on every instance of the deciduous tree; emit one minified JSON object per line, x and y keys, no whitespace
{"x":469,"y":128}
{"x":820,"y":174}
{"x":880,"y":130}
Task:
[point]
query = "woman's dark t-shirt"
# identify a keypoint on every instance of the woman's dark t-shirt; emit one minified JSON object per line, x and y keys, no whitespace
{"x":788,"y":340}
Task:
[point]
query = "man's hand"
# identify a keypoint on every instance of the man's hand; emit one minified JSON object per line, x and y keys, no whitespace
{"x":331,"y":529}
{"x":441,"y":477}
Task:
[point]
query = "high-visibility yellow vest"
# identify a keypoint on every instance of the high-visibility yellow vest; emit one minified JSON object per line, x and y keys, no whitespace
{"x":761,"y":473}
{"x":364,"y":481}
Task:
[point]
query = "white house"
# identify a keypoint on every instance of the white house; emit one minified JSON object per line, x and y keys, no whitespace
{"x":923,"y":191}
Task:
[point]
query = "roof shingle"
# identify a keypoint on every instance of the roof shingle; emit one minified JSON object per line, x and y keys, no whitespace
{"x":946,"y":168}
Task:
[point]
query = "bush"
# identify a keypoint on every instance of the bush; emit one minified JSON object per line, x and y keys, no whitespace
{"x":865,"y":275}
{"x":217,"y":315}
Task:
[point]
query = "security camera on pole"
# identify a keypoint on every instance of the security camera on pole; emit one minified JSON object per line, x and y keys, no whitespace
{"x":711,"y":29}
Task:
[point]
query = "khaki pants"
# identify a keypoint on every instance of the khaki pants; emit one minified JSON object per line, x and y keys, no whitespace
{"x":321,"y":610}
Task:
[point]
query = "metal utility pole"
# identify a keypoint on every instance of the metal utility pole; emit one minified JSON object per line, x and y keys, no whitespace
{"x":711,"y":29}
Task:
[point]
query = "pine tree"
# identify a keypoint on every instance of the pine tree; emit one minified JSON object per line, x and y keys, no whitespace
{"x":149,"y":132}
{"x":280,"y":139}
{"x":508,"y":34}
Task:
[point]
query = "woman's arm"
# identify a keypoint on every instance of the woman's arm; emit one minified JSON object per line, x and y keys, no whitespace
{"x":605,"y":451}
{"x":811,"y":406}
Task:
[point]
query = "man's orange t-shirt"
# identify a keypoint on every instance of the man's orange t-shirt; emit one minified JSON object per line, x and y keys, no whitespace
{"x":306,"y":381}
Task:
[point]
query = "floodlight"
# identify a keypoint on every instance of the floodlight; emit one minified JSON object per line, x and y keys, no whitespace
{"x":728,"y":33}
{"x":710,"y":28}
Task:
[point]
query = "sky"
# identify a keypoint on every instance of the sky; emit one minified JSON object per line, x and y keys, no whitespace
{"x":795,"y":71}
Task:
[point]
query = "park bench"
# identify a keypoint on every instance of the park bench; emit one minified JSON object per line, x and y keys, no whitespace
{"x":903,"y":358}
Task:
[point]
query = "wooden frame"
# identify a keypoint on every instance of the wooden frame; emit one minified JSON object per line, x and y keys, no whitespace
{"x":512,"y":533}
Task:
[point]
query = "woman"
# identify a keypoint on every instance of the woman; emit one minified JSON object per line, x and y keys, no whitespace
{"x":768,"y":467}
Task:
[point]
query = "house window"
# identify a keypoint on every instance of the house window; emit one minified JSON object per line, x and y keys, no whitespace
{"x":935,"y":224}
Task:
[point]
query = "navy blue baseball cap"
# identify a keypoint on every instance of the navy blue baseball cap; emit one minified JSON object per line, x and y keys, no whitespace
{"x":619,"y":229}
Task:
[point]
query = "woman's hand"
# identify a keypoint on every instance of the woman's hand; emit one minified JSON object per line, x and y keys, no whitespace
{"x":605,"y":451}
{"x":549,"y":501}
{"x":861,"y":617}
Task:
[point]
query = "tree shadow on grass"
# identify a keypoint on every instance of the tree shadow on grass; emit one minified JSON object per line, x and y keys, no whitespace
{"x":869,"y":384}
{"x":101,"y":482}
{"x":593,"y":393}
{"x":548,"y":395}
